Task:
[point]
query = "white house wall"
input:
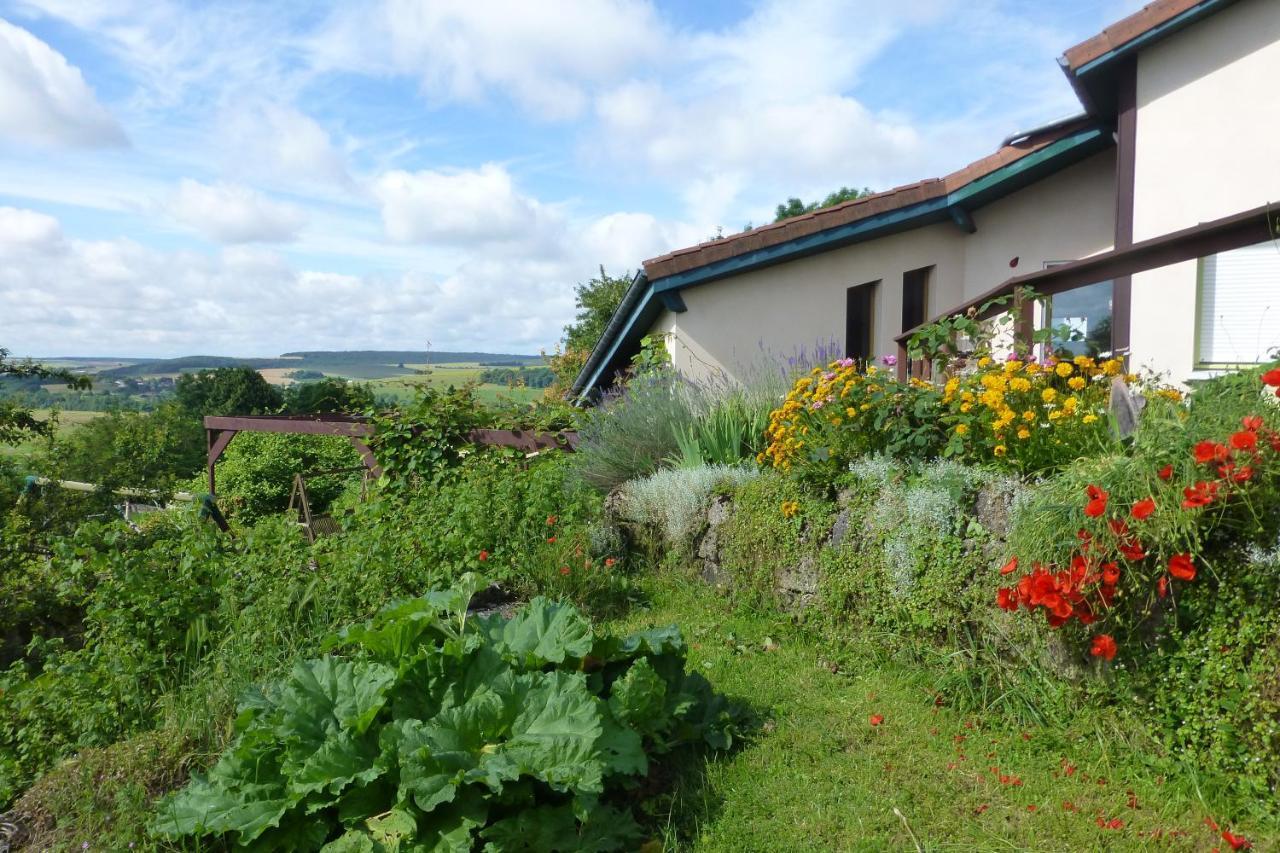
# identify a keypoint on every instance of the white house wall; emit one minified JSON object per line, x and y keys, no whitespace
{"x":1207,"y":146}
{"x":735,"y":325}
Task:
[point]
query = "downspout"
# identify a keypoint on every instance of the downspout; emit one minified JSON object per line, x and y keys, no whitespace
{"x":639,"y":282}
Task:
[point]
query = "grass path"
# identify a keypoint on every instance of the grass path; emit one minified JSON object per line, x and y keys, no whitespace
{"x":821,"y":777}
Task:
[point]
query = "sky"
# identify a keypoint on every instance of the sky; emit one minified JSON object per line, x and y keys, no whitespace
{"x":255,"y":178}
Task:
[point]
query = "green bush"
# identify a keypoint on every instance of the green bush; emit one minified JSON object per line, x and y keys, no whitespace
{"x":255,"y":474}
{"x":634,"y":431}
{"x":671,"y":502}
{"x":440,"y":729}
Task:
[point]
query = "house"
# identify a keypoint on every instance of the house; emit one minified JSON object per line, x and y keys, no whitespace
{"x":1145,"y":223}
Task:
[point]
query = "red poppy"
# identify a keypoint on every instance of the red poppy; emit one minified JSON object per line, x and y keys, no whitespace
{"x":1007,"y":599}
{"x":1103,"y":647}
{"x":609,"y":561}
{"x":1243,"y":474}
{"x":1110,"y":574}
{"x":1142,"y":509}
{"x":551,"y":519}
{"x":1181,"y":567}
{"x":1201,"y":494}
{"x":484,"y":555}
{"x":1166,"y":472}
{"x":564,"y":570}
{"x":1133,"y":551}
{"x":1118,"y":526}
{"x":1162,"y":586}
{"x":551,"y":539}
{"x":1253,"y":423}
{"x":1244,"y":440}
{"x":876,"y":719}
{"x":1237,"y":842}
{"x":1208,"y":451}
{"x":1272,"y":377}
{"x":1097,"y":504}
{"x":1011,"y":566}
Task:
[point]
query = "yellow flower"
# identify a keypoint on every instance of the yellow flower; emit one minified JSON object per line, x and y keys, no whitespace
{"x":1083,"y":361}
{"x":1063,"y":368}
{"x":1170,"y":394}
{"x":1048,"y":395}
{"x":1076,"y":383}
{"x":1012,"y":366}
{"x":1056,"y":414}
{"x":1024,"y":433}
{"x":1028,"y":415}
{"x":1000,"y":450}
{"x":1111,"y":366}
{"x":965,"y":407}
{"x":1069,"y":405}
{"x":1032,"y":368}
{"x":1089,"y":418}
{"x":985,"y":361}
{"x":790,"y":508}
{"x":851,"y":411}
{"x":1020,"y":384}
{"x":962,"y":429}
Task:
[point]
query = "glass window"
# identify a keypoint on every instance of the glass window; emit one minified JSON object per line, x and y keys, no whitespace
{"x":1084,"y":317}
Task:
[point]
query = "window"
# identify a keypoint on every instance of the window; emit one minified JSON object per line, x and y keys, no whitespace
{"x":859,"y":315}
{"x":915,"y":297}
{"x":1080,"y":318}
{"x":1238,"y":311}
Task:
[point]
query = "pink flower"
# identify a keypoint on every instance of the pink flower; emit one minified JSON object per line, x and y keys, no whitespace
{"x":888,"y":360}
{"x":845,"y":362}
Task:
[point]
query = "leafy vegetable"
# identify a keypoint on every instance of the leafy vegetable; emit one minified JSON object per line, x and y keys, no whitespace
{"x":436,"y":730}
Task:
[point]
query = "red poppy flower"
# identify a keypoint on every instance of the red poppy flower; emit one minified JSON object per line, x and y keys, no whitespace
{"x":1142,"y":509}
{"x":1133,"y":551}
{"x":1110,"y":574}
{"x":1271,"y":377}
{"x":1244,"y":440}
{"x":876,"y":719}
{"x":551,"y":539}
{"x":1208,"y":451}
{"x":1243,"y":474}
{"x":1181,"y":567}
{"x":484,"y":555}
{"x":1011,"y":566}
{"x":1237,"y":842}
{"x":1166,"y":472}
{"x":1162,"y":586}
{"x":609,"y":561}
{"x":1007,"y":599}
{"x":1103,"y":647}
{"x":1253,"y":423}
{"x":1201,"y":494}
{"x":564,"y":570}
{"x":1097,"y":504}
{"x":1118,"y":526}
{"x":551,"y":519}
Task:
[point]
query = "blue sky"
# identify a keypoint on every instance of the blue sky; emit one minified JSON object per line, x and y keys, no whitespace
{"x":253,"y":178}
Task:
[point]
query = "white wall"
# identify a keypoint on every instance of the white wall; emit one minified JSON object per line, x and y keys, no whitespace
{"x":736,"y":323}
{"x":1208,"y":145}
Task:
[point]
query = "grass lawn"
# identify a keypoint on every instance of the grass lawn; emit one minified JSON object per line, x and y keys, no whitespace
{"x":820,"y":776}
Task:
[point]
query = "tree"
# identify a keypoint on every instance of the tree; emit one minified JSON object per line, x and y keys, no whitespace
{"x":595,"y":301}
{"x":227,"y":391}
{"x":328,"y":395}
{"x":17,"y":422}
{"x":143,"y":450}
{"x":796,"y":207}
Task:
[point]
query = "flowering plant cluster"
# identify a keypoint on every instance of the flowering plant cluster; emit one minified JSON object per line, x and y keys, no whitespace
{"x":1141,"y":550}
{"x":1025,"y":415}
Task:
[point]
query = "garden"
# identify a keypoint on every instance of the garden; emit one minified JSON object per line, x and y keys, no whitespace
{"x":1030,"y":603}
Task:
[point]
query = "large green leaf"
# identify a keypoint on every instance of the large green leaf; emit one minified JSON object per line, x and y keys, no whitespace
{"x":542,"y":632}
{"x":323,"y":695}
{"x":638,"y":698}
{"x":340,"y":761}
{"x":553,"y":737}
{"x":204,"y":809}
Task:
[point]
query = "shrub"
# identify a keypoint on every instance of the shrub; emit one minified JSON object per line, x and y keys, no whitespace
{"x":673,"y":500}
{"x":1029,"y":417}
{"x":633,"y":431}
{"x":444,"y":728}
{"x":255,"y":474}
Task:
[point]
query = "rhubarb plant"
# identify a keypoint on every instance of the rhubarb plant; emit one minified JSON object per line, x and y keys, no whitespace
{"x":432,"y":729}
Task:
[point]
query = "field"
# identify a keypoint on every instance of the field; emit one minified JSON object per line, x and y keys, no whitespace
{"x":67,"y":421}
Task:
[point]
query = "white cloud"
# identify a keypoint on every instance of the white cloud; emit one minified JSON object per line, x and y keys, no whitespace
{"x":469,"y":207}
{"x":278,"y":142}
{"x":27,"y":230}
{"x":45,"y":100}
{"x":545,"y":56}
{"x":235,"y":214}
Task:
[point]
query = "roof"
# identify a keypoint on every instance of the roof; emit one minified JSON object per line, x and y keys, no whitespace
{"x":1140,"y":24}
{"x":849,"y":212}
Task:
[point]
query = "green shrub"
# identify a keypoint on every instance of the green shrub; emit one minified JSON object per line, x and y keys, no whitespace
{"x":634,"y":431}
{"x":672,"y":501}
{"x":442,"y":729}
{"x":255,"y":474}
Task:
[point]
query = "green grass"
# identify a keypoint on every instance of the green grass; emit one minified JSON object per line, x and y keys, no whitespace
{"x":819,"y":776}
{"x":67,"y":421}
{"x":443,"y":375}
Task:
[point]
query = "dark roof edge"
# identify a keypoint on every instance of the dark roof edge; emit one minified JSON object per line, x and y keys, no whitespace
{"x":581,"y":388}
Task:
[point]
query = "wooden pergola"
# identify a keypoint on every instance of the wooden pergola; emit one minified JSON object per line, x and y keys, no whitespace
{"x":219,"y":431}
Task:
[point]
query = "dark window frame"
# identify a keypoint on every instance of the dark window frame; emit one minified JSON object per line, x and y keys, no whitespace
{"x":915,"y":296}
{"x":860,"y":315}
